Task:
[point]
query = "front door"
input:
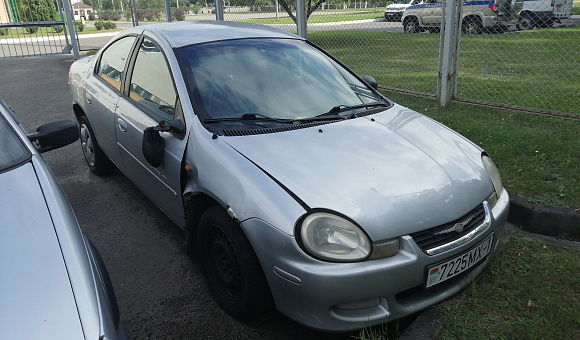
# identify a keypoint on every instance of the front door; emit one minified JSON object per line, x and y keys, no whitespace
{"x":152,"y":99}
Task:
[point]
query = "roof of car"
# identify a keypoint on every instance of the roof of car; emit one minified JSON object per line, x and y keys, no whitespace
{"x":183,"y":33}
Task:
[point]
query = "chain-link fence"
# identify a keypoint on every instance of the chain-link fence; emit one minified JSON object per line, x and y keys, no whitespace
{"x":520,"y":54}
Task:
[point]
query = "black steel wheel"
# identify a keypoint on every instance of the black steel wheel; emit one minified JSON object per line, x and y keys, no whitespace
{"x":230,"y":266}
{"x":96,"y":159}
{"x":525,"y":22}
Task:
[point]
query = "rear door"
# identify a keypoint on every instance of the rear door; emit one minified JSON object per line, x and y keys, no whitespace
{"x":562,"y":8}
{"x":151,"y":98}
{"x":103,"y":92}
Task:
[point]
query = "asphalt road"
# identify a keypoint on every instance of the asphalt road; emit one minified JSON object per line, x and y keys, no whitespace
{"x":161,"y":293}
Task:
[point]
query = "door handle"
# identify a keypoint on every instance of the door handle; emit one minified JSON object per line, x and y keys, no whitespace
{"x":121,"y":125}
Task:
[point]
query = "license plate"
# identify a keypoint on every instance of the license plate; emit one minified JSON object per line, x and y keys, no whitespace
{"x":459,"y":264}
{"x":389,"y":13}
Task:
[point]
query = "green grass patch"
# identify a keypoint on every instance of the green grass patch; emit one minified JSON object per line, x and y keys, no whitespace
{"x":536,"y":68}
{"x":346,"y":16}
{"x":529,"y":291}
{"x":538,"y":156}
{"x":20,"y":32}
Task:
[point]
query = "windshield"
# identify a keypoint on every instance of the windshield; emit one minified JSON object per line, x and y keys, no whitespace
{"x":273,"y":78}
{"x":12,"y":150}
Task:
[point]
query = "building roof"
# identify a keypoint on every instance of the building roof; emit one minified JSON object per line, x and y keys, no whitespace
{"x":80,"y":5}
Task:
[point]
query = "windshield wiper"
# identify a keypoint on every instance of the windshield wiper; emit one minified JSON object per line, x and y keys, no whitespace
{"x":335,"y":112}
{"x":248,"y":117}
{"x":342,"y":108}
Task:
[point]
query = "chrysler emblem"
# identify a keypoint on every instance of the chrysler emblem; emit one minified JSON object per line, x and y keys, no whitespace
{"x":457,"y":227}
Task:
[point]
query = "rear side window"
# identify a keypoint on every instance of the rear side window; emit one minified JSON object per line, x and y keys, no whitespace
{"x":151,"y":82}
{"x":112,"y":65}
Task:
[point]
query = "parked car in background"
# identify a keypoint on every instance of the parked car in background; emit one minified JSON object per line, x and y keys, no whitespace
{"x":543,"y":13}
{"x":394,"y":11}
{"x":296,"y":182}
{"x":476,"y":16}
{"x":54,"y":284}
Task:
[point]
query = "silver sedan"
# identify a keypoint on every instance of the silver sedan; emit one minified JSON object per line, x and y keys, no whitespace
{"x":54,"y":283}
{"x":297,"y":183}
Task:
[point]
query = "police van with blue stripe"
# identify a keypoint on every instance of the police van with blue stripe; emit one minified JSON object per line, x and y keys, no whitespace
{"x":476,"y":16}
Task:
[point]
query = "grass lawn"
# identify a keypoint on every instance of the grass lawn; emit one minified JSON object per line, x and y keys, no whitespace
{"x":15,"y":33}
{"x":529,"y":291}
{"x":535,"y":68}
{"x":345,"y":16}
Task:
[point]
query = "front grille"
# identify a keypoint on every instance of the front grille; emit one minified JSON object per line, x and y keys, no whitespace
{"x":432,"y":238}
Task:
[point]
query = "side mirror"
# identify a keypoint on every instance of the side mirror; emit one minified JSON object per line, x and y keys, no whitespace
{"x":153,"y":146}
{"x":55,"y":135}
{"x":372,"y":82}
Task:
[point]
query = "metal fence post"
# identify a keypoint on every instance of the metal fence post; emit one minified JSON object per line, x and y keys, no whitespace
{"x":448,"y":50}
{"x":219,"y":10}
{"x":168,"y":10}
{"x":301,"y":18}
{"x":71,"y":28}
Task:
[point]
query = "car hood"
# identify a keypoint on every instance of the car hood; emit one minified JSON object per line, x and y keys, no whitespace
{"x":397,"y":6}
{"x":35,"y":292}
{"x":394,"y":173}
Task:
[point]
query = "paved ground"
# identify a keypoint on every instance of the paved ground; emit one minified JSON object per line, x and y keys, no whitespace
{"x":161,"y":293}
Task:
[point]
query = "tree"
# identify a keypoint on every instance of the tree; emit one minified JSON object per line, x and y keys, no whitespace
{"x":311,"y":6}
{"x":37,"y":10}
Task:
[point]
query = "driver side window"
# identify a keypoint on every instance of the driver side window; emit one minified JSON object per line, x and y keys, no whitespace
{"x":151,"y":83}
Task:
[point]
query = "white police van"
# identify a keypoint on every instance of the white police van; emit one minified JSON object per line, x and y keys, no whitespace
{"x":476,"y":16}
{"x":543,"y":13}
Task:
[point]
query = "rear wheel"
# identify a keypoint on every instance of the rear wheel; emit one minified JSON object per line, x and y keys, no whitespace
{"x":411,"y":25}
{"x":230,"y":266}
{"x":471,"y":26}
{"x":525,"y":22}
{"x":97,"y":161}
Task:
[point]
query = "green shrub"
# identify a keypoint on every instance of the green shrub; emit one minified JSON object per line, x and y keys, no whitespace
{"x":3,"y":31}
{"x":105,"y":25}
{"x":109,"y":25}
{"x":179,"y":14}
{"x":79,"y":26}
{"x":32,"y":29}
{"x":57,"y":28}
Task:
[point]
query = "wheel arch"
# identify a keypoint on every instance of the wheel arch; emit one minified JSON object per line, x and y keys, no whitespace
{"x":411,"y":17}
{"x":78,"y":111}
{"x":195,"y":206}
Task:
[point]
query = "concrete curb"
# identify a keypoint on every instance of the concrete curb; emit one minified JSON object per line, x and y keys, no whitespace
{"x":542,"y":219}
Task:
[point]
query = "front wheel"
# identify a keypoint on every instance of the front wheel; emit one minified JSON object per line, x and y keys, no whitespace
{"x":230,"y":266}
{"x":96,"y":159}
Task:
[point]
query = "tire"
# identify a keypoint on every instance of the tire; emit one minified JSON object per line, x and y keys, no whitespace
{"x":230,"y":266}
{"x":97,"y":161}
{"x":546,"y":23}
{"x":411,"y":25}
{"x":525,"y":22}
{"x":471,"y":26}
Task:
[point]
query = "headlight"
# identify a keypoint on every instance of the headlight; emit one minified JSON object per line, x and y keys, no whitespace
{"x":493,"y":174}
{"x":330,"y":237}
